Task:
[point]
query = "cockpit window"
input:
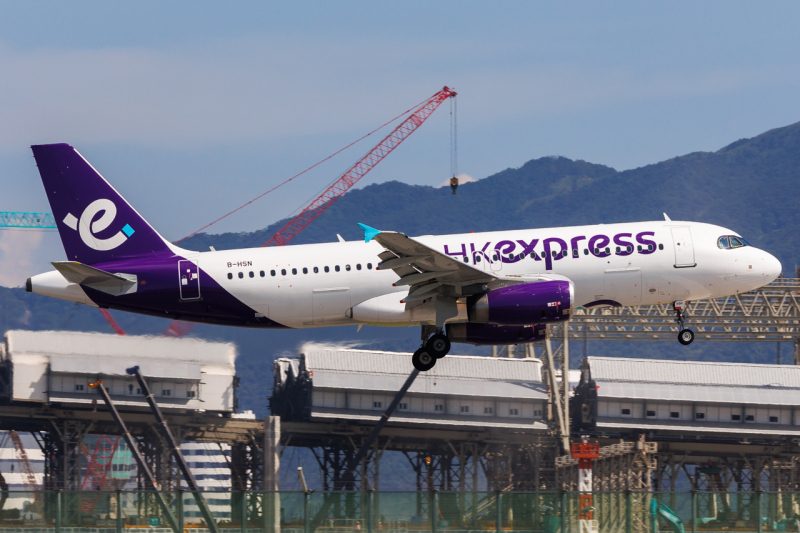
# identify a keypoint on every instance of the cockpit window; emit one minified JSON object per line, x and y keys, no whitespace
{"x":731,"y":241}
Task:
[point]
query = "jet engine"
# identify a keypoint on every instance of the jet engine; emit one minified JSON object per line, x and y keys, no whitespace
{"x":524,"y":304}
{"x":491,"y":335}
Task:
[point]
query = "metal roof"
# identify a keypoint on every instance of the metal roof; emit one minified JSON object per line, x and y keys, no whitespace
{"x":132,"y":348}
{"x":453,"y":375}
{"x":693,"y":381}
{"x":399,"y":363}
{"x":694,"y":372}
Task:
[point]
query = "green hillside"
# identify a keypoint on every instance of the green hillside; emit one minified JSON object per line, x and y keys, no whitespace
{"x":749,"y":186}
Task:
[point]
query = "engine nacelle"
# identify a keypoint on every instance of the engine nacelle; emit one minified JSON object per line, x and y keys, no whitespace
{"x":491,"y":335}
{"x":524,"y":304}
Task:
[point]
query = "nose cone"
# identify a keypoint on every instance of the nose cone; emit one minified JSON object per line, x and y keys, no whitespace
{"x":772,"y":267}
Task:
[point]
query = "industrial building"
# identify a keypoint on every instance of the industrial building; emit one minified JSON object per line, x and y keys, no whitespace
{"x":331,"y":385}
{"x":623,"y":396}
{"x":54,"y":368}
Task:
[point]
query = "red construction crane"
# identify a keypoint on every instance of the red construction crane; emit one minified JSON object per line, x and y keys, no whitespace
{"x":97,"y":471}
{"x":360,"y":169}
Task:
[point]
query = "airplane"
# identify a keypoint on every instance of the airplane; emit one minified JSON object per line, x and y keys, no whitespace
{"x":492,"y":288}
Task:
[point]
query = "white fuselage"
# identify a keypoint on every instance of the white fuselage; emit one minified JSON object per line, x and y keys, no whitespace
{"x":326,"y":284}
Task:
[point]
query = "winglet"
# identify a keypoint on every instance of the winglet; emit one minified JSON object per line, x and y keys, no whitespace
{"x":666,"y":218}
{"x":369,"y":233}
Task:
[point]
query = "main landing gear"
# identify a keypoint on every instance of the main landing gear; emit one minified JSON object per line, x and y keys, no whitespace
{"x":685,"y":335}
{"x":433,"y":347}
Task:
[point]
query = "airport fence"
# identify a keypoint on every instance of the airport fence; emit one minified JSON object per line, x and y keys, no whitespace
{"x":396,"y":512}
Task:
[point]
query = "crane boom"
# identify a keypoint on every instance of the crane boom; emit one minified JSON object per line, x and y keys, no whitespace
{"x":360,"y":169}
{"x":15,"y":219}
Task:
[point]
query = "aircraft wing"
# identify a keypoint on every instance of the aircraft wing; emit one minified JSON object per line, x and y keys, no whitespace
{"x":427,"y":272}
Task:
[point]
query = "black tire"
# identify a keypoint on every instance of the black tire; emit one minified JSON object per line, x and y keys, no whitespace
{"x":422,"y":360}
{"x":438,"y":345}
{"x":685,"y":336}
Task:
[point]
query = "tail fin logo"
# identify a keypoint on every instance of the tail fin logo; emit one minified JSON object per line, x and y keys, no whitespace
{"x":87,"y":229}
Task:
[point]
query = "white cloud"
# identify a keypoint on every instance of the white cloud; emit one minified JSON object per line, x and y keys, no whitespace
{"x":17,"y":251}
{"x":462,"y":179}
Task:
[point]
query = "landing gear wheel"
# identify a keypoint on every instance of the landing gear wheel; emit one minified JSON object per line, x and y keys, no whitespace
{"x":685,"y":336}
{"x":438,"y":345}
{"x":422,"y":360}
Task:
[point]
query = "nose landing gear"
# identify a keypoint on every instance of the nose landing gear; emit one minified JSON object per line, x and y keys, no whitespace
{"x":685,"y":335}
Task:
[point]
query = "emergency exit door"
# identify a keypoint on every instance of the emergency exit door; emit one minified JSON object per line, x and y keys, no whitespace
{"x":684,"y":249}
{"x":189,"y":280}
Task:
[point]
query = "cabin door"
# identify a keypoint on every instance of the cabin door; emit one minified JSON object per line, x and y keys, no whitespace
{"x":684,"y":249}
{"x":189,"y":280}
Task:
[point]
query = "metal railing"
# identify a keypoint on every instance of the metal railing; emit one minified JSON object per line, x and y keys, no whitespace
{"x":402,"y":512}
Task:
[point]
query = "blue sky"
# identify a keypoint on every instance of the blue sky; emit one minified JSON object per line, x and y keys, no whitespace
{"x":192,"y":108}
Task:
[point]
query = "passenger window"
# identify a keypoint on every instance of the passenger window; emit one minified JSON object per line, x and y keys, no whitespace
{"x":305,"y":270}
{"x":262,"y":273}
{"x":252,"y":275}
{"x":585,"y":251}
{"x":736,"y":243}
{"x":494,"y":257}
{"x":272,"y":273}
{"x":477,"y":259}
{"x":369,"y":266}
{"x":510,"y":257}
{"x":564,"y":253}
{"x":327,"y":269}
{"x":660,"y":246}
{"x":230,"y":275}
{"x":639,"y":248}
{"x":336,"y":268}
{"x":347,"y":267}
{"x":597,"y":251}
{"x":358,"y":266}
{"x":630,"y":249}
{"x":618,"y":249}
{"x":533,"y":255}
{"x":294,"y":271}
{"x":283,"y":272}
{"x":574,"y":253}
{"x":608,"y":250}
{"x":316,"y":270}
{"x":241,"y":275}
{"x":544,"y":255}
{"x":554,"y":253}
{"x":723,"y":243}
{"x":466,"y":259}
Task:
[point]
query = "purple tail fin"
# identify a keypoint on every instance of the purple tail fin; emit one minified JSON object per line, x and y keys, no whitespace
{"x":96,"y":224}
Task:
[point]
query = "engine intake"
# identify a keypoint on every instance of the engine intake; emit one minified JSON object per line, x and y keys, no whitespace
{"x":491,"y":335}
{"x":524,"y":304}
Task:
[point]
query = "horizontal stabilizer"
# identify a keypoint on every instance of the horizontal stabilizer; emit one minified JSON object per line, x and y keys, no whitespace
{"x":114,"y":284}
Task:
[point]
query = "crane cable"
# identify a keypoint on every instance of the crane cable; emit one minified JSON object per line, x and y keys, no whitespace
{"x":304,"y":171}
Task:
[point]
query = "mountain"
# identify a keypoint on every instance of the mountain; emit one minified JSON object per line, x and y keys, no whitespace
{"x":750,"y":186}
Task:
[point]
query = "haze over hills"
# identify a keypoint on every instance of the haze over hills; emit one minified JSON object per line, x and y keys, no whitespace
{"x":750,"y":186}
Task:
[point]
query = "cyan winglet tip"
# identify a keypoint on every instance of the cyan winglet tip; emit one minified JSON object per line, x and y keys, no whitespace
{"x":369,"y":233}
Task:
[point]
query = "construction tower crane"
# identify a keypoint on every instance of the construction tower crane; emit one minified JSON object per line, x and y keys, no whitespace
{"x":360,"y":169}
{"x":15,"y":219}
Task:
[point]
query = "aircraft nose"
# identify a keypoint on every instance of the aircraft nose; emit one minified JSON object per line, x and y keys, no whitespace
{"x":772,"y":268}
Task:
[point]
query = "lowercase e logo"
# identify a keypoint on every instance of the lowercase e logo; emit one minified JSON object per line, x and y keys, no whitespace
{"x":87,"y":229}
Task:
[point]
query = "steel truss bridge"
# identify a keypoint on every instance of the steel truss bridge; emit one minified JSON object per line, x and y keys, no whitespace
{"x":768,"y":314}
